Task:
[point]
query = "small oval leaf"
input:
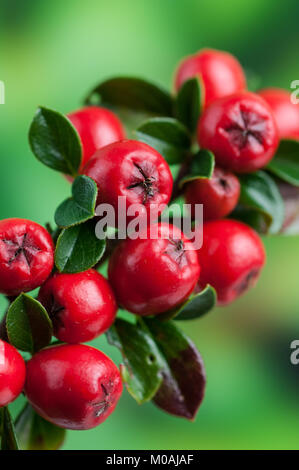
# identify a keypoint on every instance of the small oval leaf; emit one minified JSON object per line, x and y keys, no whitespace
{"x":285,"y":163}
{"x":55,"y":142}
{"x":35,"y":433}
{"x":132,"y":93}
{"x":260,"y":192}
{"x":166,"y":135}
{"x":189,"y":103}
{"x":28,"y":325}
{"x":202,"y":166}
{"x":7,"y":431}
{"x":81,"y":206}
{"x":196,"y":306}
{"x":78,"y":248}
{"x":142,"y":362}
{"x":184,"y":378}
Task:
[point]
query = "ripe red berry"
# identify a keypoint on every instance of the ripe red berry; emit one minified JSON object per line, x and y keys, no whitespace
{"x":73,"y":386}
{"x":153,"y":275}
{"x":241,"y":131}
{"x":82,"y":306}
{"x":219,"y":71}
{"x":231,"y":258}
{"x":285,"y":112}
{"x":12,"y":373}
{"x":26,"y":256}
{"x":96,"y":127}
{"x":133,"y":170}
{"x":219,"y":194}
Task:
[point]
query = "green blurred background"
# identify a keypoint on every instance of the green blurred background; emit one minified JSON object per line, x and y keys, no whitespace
{"x":53,"y":53}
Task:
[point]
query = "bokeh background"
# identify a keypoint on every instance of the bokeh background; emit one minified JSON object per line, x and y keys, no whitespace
{"x":53,"y":53}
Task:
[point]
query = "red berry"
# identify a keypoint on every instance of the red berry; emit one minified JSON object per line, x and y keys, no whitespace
{"x":241,"y":131}
{"x":12,"y":373}
{"x":26,"y":256}
{"x":96,"y":127}
{"x":153,"y":275}
{"x":219,"y":194}
{"x":219,"y":71}
{"x":285,"y":112}
{"x":231,"y":258}
{"x":82,"y":306}
{"x":73,"y":386}
{"x":133,"y":170}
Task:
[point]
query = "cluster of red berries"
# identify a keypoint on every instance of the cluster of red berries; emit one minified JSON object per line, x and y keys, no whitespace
{"x":76,"y":386}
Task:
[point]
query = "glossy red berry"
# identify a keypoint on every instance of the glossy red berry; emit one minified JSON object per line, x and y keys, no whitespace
{"x":81,"y":306}
{"x":26,"y":256}
{"x":241,"y":131}
{"x":73,"y":386}
{"x":219,"y":194}
{"x":231,"y":258}
{"x":133,"y":170}
{"x":12,"y":373}
{"x":96,"y":127}
{"x":153,"y":275}
{"x":219,"y":71}
{"x":285,"y":112}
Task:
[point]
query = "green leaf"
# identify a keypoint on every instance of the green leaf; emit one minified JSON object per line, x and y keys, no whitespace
{"x":35,"y":433}
{"x":78,"y":248}
{"x":202,"y":166}
{"x":168,"y":136}
{"x":252,"y":217}
{"x":183,"y":386}
{"x":28,"y":325}
{"x":134,"y":94}
{"x":7,"y":431}
{"x":160,"y":363}
{"x":55,"y":142}
{"x":259,"y":191}
{"x":189,"y":103}
{"x":142,"y":361}
{"x":194,"y":307}
{"x":285,"y":163}
{"x":81,"y":206}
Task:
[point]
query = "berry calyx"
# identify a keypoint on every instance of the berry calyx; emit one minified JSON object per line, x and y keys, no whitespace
{"x":241,"y":131}
{"x":26,"y":255}
{"x":73,"y":386}
{"x":219,"y":194}
{"x":12,"y":373}
{"x":81,"y":306}
{"x":285,"y":112}
{"x":152,"y":275}
{"x":231,"y":258}
{"x":132,"y":170}
{"x":220,"y":73}
{"x":96,"y":127}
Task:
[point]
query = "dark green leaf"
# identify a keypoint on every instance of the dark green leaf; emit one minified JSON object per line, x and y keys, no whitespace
{"x":35,"y":433}
{"x":259,"y":191}
{"x":142,"y":361}
{"x":202,"y":166}
{"x":168,"y":136}
{"x":285,"y":163}
{"x":161,"y":363}
{"x":7,"y":431}
{"x":81,"y":206}
{"x":28,"y":325}
{"x":252,"y":217}
{"x":189,"y":103}
{"x":194,"y":307}
{"x":183,"y":386}
{"x":134,"y":94}
{"x":78,"y":248}
{"x":55,"y":142}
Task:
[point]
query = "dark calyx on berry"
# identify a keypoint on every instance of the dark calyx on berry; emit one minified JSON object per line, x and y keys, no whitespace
{"x":247,"y":127}
{"x":21,"y":247}
{"x":144,"y":182}
{"x":176,"y":250}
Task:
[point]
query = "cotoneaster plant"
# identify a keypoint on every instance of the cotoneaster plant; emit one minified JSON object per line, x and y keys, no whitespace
{"x":136,"y":290}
